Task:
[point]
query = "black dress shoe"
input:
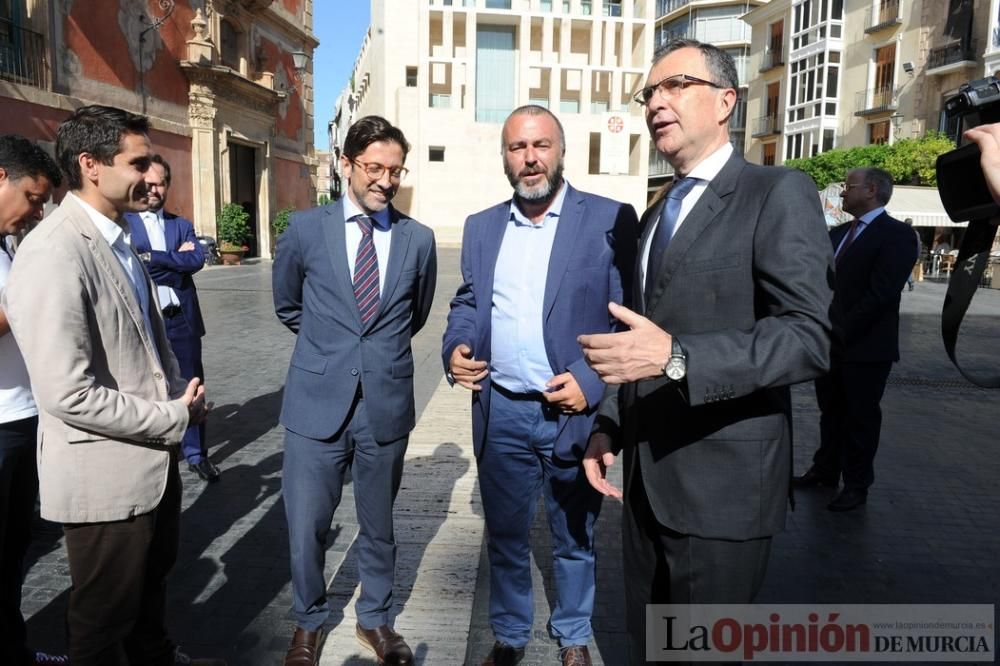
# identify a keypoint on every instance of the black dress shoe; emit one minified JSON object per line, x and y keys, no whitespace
{"x":206,"y":470}
{"x":813,"y":478}
{"x":849,"y":498}
{"x":503,"y":655}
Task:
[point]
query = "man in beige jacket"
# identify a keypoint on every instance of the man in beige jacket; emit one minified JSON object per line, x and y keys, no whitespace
{"x":112,"y":404}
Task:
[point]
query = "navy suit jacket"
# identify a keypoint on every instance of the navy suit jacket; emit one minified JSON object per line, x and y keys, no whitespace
{"x":314,"y":297}
{"x":869,"y":279}
{"x":591,"y":265}
{"x":172,"y":268}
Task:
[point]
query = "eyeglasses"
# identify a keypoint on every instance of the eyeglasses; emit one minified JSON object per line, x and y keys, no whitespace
{"x":374,"y":170}
{"x":849,"y":186}
{"x":670,"y":87}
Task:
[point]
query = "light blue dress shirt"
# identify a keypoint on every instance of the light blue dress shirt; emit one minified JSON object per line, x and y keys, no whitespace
{"x":519,"y":362}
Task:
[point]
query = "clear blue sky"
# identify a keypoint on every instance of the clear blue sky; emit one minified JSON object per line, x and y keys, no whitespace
{"x":340,"y":26}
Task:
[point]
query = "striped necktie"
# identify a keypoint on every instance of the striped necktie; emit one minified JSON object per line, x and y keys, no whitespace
{"x":366,"y":271}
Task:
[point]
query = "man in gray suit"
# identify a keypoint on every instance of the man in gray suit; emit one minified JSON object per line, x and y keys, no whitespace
{"x":354,"y":280}
{"x":112,"y":405}
{"x":734,"y":278}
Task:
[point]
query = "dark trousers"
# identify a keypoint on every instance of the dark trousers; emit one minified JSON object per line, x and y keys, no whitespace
{"x":119,"y":570}
{"x":18,"y":492}
{"x":666,"y":567}
{"x":312,"y":478}
{"x":849,"y":398}
{"x":186,"y":345}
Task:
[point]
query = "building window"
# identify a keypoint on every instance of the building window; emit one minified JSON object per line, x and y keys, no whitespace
{"x":497,"y":4}
{"x":435,"y":154}
{"x":769,"y":151}
{"x":229,"y":50}
{"x":440,"y":101}
{"x":878,"y":132}
{"x":612,"y":7}
{"x":411,"y":77}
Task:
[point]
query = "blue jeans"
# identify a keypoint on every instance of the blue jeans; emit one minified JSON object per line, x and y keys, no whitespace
{"x":516,"y":464}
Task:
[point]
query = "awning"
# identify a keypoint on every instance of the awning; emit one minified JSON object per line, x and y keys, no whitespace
{"x":922,"y":205}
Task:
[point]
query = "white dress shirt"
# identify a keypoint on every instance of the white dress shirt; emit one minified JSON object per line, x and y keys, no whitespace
{"x":156,"y":230}
{"x":116,"y":238}
{"x":16,"y":402}
{"x":705,"y":172}
{"x":381,"y":235}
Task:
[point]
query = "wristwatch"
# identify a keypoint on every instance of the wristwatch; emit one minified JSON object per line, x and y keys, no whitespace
{"x":675,"y":369}
{"x":145,"y":256}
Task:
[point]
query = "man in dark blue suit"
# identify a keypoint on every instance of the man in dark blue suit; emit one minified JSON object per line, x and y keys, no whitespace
{"x":172,"y":253}
{"x":538,"y":270}
{"x":874,"y":254}
{"x":354,"y":281}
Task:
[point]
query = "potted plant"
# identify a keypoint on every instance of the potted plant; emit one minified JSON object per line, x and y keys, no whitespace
{"x":233,"y":228}
{"x":281,"y":220}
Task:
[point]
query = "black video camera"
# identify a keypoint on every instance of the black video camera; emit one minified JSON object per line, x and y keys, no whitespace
{"x":960,"y":178}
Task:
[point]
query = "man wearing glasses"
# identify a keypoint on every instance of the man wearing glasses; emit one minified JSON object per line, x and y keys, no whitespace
{"x":733,"y":284}
{"x":354,"y":280}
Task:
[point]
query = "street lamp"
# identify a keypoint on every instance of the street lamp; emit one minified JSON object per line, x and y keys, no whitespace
{"x":300,"y":60}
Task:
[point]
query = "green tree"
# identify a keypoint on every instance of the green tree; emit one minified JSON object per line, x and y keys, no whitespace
{"x":909,"y":161}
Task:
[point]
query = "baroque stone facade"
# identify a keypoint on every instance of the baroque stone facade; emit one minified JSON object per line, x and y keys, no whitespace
{"x":231,"y":112}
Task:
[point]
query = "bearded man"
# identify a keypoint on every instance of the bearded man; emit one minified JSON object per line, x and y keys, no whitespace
{"x":538,"y":270}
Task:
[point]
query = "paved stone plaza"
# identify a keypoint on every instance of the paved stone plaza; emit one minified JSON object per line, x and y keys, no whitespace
{"x":927,"y":535}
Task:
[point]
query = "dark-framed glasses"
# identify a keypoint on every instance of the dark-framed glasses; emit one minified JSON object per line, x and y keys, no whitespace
{"x":670,"y":87}
{"x":374,"y":170}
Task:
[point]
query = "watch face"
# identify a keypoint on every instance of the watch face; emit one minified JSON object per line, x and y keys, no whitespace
{"x":676,"y":369}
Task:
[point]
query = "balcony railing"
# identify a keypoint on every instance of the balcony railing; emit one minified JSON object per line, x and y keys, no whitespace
{"x":22,"y":55}
{"x":666,"y":6}
{"x":766,"y":126}
{"x":949,"y":54}
{"x":658,"y":164}
{"x":886,"y":14}
{"x":771,"y":59}
{"x":876,"y":100}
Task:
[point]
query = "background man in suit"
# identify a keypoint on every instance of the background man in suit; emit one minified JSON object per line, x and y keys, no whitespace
{"x":354,"y":280}
{"x":112,"y":404}
{"x":168,"y":245}
{"x":734,"y":279}
{"x":874,"y":255}
{"x":511,"y":339}
{"x":27,"y":176}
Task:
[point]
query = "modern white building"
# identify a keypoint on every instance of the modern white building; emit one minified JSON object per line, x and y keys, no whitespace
{"x":448,"y":72}
{"x":717,"y":22}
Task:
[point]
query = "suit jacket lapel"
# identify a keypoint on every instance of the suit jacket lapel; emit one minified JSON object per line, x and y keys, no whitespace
{"x":567,"y":233}
{"x":398,"y":246}
{"x":336,"y":245}
{"x":137,"y":228}
{"x":492,"y":239}
{"x":170,"y":235}
{"x":106,"y":259}
{"x":705,"y":212}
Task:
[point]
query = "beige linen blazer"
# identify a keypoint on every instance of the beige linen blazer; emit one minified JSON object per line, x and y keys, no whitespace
{"x":107,"y":393}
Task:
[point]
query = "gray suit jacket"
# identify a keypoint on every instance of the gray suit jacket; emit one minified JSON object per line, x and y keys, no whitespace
{"x":104,"y":388}
{"x":745,"y":286}
{"x":314,"y":297}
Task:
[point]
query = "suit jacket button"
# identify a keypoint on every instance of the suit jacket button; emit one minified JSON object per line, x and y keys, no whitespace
{"x":354,"y":372}
{"x":157,"y":376}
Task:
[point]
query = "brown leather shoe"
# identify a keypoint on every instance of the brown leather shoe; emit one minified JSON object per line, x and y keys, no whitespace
{"x":304,"y":648}
{"x":388,"y":646}
{"x":575,"y":655}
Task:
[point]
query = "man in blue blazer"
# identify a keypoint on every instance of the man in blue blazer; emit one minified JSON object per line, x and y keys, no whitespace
{"x":874,"y":255}
{"x":354,"y":280}
{"x":172,"y":253}
{"x":538,"y":270}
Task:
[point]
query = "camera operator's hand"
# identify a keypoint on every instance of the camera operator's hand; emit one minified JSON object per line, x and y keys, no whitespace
{"x":988,"y":139}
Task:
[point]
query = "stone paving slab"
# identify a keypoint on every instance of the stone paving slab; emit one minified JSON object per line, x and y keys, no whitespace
{"x":927,"y":535}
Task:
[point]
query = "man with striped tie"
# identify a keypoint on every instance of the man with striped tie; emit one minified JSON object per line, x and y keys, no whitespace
{"x":354,"y":280}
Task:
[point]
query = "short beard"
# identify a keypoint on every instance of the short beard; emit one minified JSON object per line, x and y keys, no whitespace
{"x":540,"y":193}
{"x":155,"y":208}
